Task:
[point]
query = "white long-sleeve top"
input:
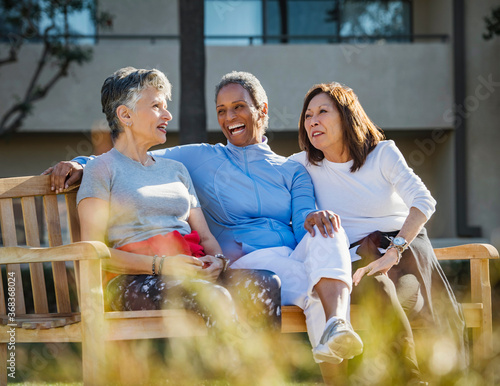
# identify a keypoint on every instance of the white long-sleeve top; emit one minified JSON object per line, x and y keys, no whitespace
{"x":376,"y":197}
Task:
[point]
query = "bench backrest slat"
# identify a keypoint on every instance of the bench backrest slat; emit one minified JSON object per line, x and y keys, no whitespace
{"x":34,"y":192}
{"x":55,"y":239}
{"x":25,"y":186}
{"x":9,"y":238}
{"x":74,"y":232}
{"x":32,"y":232}
{"x":73,"y":221}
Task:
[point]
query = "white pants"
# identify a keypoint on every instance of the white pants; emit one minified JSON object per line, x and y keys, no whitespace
{"x":301,"y":269}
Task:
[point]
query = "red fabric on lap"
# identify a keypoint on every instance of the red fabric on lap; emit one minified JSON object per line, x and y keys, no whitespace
{"x":170,"y":244}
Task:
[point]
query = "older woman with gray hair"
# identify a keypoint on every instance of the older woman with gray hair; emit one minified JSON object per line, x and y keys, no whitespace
{"x":258,"y":205}
{"x":160,"y":241}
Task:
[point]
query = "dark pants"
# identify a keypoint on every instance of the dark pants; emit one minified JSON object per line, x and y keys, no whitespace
{"x":255,"y":292}
{"x":389,"y":339}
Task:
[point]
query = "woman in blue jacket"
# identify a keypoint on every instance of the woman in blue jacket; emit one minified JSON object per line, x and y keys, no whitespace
{"x":258,"y":206}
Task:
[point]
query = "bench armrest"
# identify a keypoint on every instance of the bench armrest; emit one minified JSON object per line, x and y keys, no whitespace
{"x":83,"y":250}
{"x":467,"y":252}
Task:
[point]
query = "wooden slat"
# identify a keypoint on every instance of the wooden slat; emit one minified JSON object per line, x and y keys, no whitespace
{"x":74,"y":224}
{"x":9,"y":237}
{"x":27,"y":186}
{"x":69,"y":333}
{"x":36,"y":269}
{"x":3,"y":361}
{"x":58,"y":268}
{"x":3,"y":309}
{"x":149,"y":314}
{"x":481,"y":293}
{"x":83,"y":250}
{"x":43,"y":321}
{"x":74,"y":232}
{"x":93,"y":328}
{"x":172,"y":323}
{"x":293,"y":319}
{"x":467,"y":252}
{"x":473,"y":313}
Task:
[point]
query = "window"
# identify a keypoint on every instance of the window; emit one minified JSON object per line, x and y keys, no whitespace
{"x":306,"y":21}
{"x":226,"y":20}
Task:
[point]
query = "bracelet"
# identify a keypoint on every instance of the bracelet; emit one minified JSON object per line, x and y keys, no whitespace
{"x":392,"y":246}
{"x":161,"y":264}
{"x":154,"y":261}
{"x":225,"y":261}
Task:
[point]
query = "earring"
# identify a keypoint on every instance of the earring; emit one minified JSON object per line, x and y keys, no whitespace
{"x":129,"y":123}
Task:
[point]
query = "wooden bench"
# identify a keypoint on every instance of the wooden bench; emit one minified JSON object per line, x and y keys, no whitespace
{"x":83,"y":319}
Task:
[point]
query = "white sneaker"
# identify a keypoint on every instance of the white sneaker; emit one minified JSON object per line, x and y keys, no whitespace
{"x":338,"y":342}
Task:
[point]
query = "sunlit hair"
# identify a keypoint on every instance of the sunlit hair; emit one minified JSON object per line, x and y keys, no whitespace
{"x":125,"y":87}
{"x":360,"y":134}
{"x":250,"y":83}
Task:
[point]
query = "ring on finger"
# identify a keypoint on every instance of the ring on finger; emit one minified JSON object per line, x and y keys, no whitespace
{"x":330,"y":217}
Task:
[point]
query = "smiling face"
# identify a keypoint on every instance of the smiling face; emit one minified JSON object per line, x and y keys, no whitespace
{"x":239,"y":119}
{"x":323,"y":124}
{"x":150,"y":117}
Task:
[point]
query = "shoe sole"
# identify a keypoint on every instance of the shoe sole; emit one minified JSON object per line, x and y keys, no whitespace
{"x":321,"y":356}
{"x":346,"y":345}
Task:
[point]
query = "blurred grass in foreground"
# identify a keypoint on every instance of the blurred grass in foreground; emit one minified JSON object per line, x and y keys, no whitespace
{"x":252,"y":355}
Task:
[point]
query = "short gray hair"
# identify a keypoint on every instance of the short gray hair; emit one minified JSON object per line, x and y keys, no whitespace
{"x":250,"y":83}
{"x":125,"y":87}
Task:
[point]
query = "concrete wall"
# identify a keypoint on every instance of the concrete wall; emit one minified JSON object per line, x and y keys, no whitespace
{"x":132,"y":17}
{"x":482,"y":113}
{"x":74,"y":104}
{"x":402,"y":86}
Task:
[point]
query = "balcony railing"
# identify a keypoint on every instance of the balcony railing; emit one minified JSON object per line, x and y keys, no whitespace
{"x":259,"y":39}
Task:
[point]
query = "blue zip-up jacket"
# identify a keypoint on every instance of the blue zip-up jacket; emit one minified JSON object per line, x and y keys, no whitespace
{"x":249,"y":195}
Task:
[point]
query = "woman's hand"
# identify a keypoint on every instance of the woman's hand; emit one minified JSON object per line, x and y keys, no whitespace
{"x":181,"y":265}
{"x":64,"y":174}
{"x":382,"y":265}
{"x":326,"y":221}
{"x":214,"y":268}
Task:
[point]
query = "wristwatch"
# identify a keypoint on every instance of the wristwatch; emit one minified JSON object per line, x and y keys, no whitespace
{"x":225,"y":261}
{"x":399,"y":243}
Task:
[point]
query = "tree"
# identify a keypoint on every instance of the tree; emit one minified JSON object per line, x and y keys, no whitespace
{"x":45,"y":22}
{"x":370,"y":18}
{"x":192,"y":65}
{"x":492,"y":24}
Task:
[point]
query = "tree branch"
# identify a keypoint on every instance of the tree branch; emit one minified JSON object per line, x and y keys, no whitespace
{"x":11,"y":58}
{"x":57,"y":51}
{"x":23,"y":108}
{"x":14,"y":48}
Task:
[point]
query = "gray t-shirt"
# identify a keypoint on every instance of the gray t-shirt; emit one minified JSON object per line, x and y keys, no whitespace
{"x":143,"y":201}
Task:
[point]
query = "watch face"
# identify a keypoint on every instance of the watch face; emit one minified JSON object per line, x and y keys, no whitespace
{"x":399,"y":241}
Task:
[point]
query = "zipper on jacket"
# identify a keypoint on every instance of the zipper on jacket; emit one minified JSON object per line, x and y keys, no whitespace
{"x":253,"y":181}
{"x":278,"y":232}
